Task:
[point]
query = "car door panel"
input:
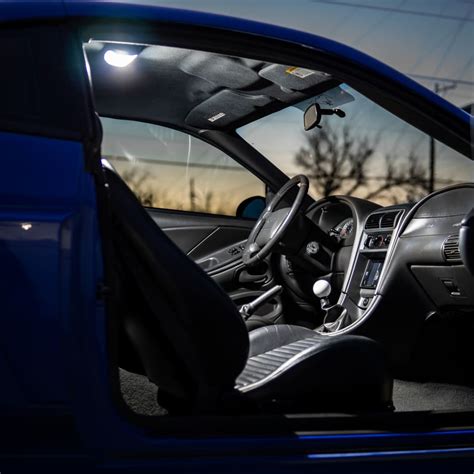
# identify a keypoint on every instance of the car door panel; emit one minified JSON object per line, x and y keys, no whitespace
{"x":199,"y":234}
{"x":213,"y":242}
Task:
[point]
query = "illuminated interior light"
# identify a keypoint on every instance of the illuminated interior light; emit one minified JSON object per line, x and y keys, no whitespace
{"x":118,"y":58}
{"x":26,"y":226}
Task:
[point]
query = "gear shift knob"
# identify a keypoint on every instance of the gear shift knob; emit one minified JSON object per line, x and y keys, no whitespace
{"x":322,"y":289}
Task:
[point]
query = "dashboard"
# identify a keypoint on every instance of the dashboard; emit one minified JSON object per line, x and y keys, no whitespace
{"x":396,"y":267}
{"x":397,"y":264}
{"x":428,"y":245}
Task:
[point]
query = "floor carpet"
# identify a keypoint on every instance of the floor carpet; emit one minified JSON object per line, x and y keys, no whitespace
{"x":140,"y":395}
{"x":414,"y":396}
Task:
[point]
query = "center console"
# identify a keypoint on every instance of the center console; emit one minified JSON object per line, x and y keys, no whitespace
{"x":372,"y":249}
{"x":372,"y":252}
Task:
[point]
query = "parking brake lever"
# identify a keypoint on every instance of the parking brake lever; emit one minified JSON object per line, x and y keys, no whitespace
{"x":248,"y":309}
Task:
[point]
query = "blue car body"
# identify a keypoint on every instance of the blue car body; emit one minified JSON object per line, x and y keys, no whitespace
{"x":56,"y":405}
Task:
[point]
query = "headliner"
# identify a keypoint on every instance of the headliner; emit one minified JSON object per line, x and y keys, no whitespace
{"x":196,"y":90}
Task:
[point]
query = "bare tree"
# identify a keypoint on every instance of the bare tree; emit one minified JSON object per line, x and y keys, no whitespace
{"x":337,"y":162}
{"x":137,"y":183}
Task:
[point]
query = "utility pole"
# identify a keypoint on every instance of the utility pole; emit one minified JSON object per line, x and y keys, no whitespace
{"x":438,"y":90}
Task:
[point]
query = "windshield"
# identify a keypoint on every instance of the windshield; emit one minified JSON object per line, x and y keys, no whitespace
{"x":370,"y":153}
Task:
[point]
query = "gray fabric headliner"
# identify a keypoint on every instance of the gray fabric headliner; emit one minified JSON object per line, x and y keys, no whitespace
{"x":185,"y":88}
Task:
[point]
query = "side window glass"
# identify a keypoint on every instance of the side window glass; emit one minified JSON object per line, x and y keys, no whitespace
{"x":170,"y":169}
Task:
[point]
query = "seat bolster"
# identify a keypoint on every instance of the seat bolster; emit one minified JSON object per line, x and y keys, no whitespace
{"x":270,"y":337}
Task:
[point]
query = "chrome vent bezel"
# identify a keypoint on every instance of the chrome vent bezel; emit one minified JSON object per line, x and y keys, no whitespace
{"x":392,"y":222}
{"x":375,"y":221}
{"x":369,"y":225}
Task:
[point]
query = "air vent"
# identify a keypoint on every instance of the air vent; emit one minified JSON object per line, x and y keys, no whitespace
{"x":389,"y":219}
{"x":451,"y":249}
{"x":373,"y":221}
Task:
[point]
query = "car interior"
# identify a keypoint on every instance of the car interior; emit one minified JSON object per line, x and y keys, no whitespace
{"x":269,"y":288}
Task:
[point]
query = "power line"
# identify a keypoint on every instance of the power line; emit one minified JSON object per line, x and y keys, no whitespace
{"x":398,"y":10}
{"x":427,"y":52}
{"x":442,"y":79}
{"x":174,"y":163}
{"x":394,"y":10}
{"x":377,"y":24}
{"x":462,"y":96}
{"x":451,"y":43}
{"x":344,"y":20}
{"x":467,"y":66}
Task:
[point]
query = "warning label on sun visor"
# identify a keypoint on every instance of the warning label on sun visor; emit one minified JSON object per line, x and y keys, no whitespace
{"x":299,"y":72}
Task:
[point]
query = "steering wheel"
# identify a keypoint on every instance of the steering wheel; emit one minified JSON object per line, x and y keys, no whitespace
{"x":272,"y":224}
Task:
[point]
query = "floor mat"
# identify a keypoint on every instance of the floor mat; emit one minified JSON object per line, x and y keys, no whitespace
{"x":414,"y":396}
{"x":140,"y":394}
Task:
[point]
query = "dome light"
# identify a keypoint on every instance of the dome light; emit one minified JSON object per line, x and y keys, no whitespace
{"x":118,"y":58}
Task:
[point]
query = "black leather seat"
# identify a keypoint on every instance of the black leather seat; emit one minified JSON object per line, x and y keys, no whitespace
{"x":288,"y":363}
{"x":181,"y":330}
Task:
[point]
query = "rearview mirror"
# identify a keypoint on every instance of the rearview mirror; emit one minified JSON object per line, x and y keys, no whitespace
{"x":313,"y":114}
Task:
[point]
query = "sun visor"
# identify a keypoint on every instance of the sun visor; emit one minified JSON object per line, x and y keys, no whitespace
{"x":224,"y":108}
{"x":293,"y":78}
{"x":223,"y":71}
